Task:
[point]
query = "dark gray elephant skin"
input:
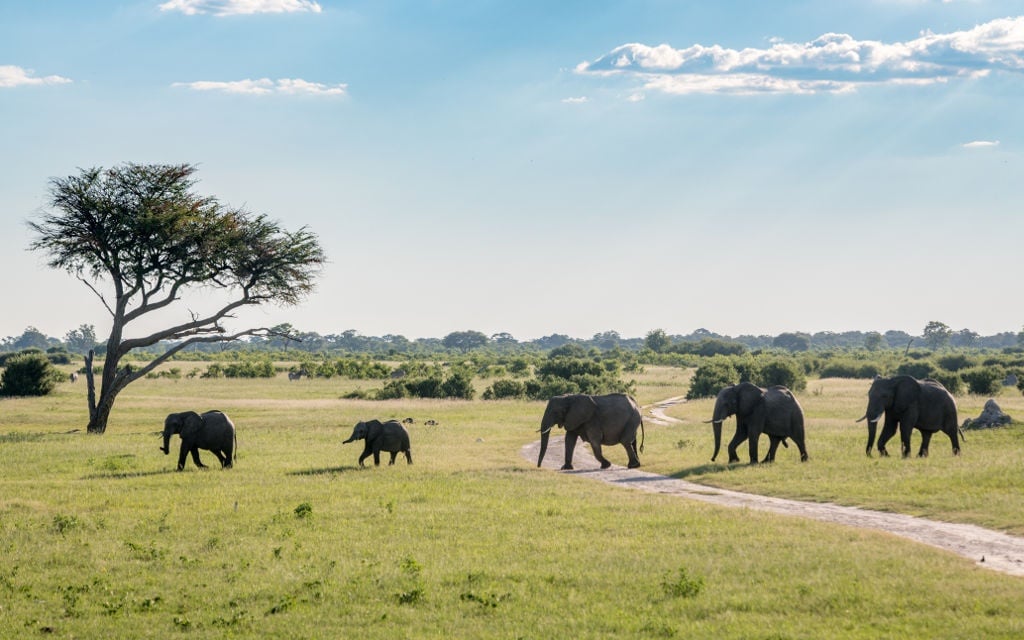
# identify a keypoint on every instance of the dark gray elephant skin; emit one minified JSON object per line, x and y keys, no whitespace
{"x":212,"y":431}
{"x":598,"y":420}
{"x":772,"y":411}
{"x":909,"y":403}
{"x":390,"y":436}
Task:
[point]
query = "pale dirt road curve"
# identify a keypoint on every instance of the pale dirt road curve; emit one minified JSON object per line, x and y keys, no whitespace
{"x":989,"y":549}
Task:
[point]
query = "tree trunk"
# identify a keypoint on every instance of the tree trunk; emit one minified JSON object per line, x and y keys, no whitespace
{"x":112,"y":383}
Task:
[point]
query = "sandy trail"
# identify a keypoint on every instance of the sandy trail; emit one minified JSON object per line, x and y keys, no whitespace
{"x":989,"y":549}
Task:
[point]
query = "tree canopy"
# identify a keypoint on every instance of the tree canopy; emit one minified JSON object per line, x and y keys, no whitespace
{"x":140,"y":238}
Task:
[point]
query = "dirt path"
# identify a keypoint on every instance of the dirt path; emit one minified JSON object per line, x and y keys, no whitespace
{"x":989,"y":549}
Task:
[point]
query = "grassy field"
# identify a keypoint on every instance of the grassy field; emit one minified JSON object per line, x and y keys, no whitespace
{"x":101,"y":538}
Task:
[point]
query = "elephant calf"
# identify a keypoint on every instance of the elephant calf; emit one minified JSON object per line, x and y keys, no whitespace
{"x":212,"y":431}
{"x":380,"y":436}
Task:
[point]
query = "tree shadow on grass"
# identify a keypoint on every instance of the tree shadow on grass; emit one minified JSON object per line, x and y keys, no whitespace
{"x":326,"y":471}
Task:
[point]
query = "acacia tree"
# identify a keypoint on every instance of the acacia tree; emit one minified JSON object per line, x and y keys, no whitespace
{"x":140,"y":239}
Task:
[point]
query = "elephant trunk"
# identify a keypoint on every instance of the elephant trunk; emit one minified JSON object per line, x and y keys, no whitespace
{"x":872,"y":427}
{"x":716,"y":427}
{"x":546,"y":425}
{"x":545,"y":434}
{"x":167,"y":442}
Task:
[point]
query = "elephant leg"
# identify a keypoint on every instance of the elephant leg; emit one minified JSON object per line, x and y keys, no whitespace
{"x":734,"y":444}
{"x":220,"y":457}
{"x":394,"y":454}
{"x":634,"y":459}
{"x":408,"y":456}
{"x":376,"y":456}
{"x":773,"y":446}
{"x":802,"y":447}
{"x":905,"y":432}
{"x":570,"y":445}
{"x":595,"y":447}
{"x":926,"y":437}
{"x":195,"y":458}
{"x":364,"y":456}
{"x":954,"y":440}
{"x":752,"y":445}
{"x":888,"y":431}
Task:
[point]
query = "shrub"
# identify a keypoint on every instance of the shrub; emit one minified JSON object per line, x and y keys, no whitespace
{"x":849,"y":369}
{"x":710,"y":378}
{"x":919,"y":369}
{"x":782,"y":372}
{"x":986,"y":381}
{"x":952,"y":381}
{"x":549,"y":386}
{"x":505,"y":389}
{"x":956,"y":362}
{"x":29,"y":374}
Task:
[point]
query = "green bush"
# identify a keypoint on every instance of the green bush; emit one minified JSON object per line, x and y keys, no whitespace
{"x":710,"y":378}
{"x":919,"y":369}
{"x":956,"y":362}
{"x":849,"y":369}
{"x":782,"y":372}
{"x":986,"y":381}
{"x":505,"y":389}
{"x":30,"y":374}
{"x":549,"y":386}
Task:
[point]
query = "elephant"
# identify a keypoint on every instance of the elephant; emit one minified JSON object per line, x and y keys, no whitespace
{"x":912,"y":404}
{"x":599,"y":420}
{"x":212,"y":430}
{"x":389,"y":436}
{"x":772,"y":411}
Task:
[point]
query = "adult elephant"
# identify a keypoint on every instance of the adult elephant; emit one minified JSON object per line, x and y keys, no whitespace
{"x":910,"y":404}
{"x":773,"y":411}
{"x":212,"y":431}
{"x":598,"y":420}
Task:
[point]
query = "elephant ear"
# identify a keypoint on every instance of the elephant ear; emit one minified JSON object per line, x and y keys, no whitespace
{"x":191,"y":422}
{"x":907,"y":391}
{"x":749,"y":397}
{"x":581,"y":409}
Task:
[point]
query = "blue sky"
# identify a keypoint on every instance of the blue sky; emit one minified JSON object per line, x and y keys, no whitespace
{"x":538,"y":167}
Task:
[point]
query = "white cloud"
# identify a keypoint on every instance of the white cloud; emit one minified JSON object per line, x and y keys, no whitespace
{"x":636,"y":97}
{"x":12,"y":76}
{"x":833,"y":62}
{"x":579,"y":100}
{"x":981,"y":144}
{"x":266,"y":86}
{"x":239,"y":7}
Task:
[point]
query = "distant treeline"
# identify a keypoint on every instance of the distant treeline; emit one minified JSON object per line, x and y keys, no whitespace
{"x":702,"y":342}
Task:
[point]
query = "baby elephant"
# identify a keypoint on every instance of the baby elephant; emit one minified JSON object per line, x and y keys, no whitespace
{"x":382,"y":436}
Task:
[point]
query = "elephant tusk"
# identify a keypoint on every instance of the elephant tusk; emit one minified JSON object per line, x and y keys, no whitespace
{"x":548,"y":430}
{"x":863,"y":418}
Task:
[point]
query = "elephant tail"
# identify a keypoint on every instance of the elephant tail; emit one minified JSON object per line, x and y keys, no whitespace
{"x":234,"y":436}
{"x":643,"y":435}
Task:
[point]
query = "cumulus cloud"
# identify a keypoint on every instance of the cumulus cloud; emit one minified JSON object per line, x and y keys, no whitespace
{"x":12,"y":76}
{"x":833,"y":62}
{"x":981,"y":144}
{"x":239,"y":7}
{"x":266,"y":86}
{"x":579,"y":100}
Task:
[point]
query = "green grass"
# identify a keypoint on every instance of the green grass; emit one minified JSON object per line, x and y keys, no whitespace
{"x":100,"y":538}
{"x":982,"y":486}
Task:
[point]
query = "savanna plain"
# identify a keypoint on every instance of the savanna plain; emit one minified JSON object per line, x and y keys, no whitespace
{"x":102,"y":538}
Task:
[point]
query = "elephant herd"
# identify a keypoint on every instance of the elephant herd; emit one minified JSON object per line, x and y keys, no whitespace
{"x":906,"y":403}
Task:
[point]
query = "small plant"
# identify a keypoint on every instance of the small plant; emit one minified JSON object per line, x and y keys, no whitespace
{"x":412,"y":596}
{"x":62,"y":524}
{"x":681,"y":585}
{"x":304,"y":510}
